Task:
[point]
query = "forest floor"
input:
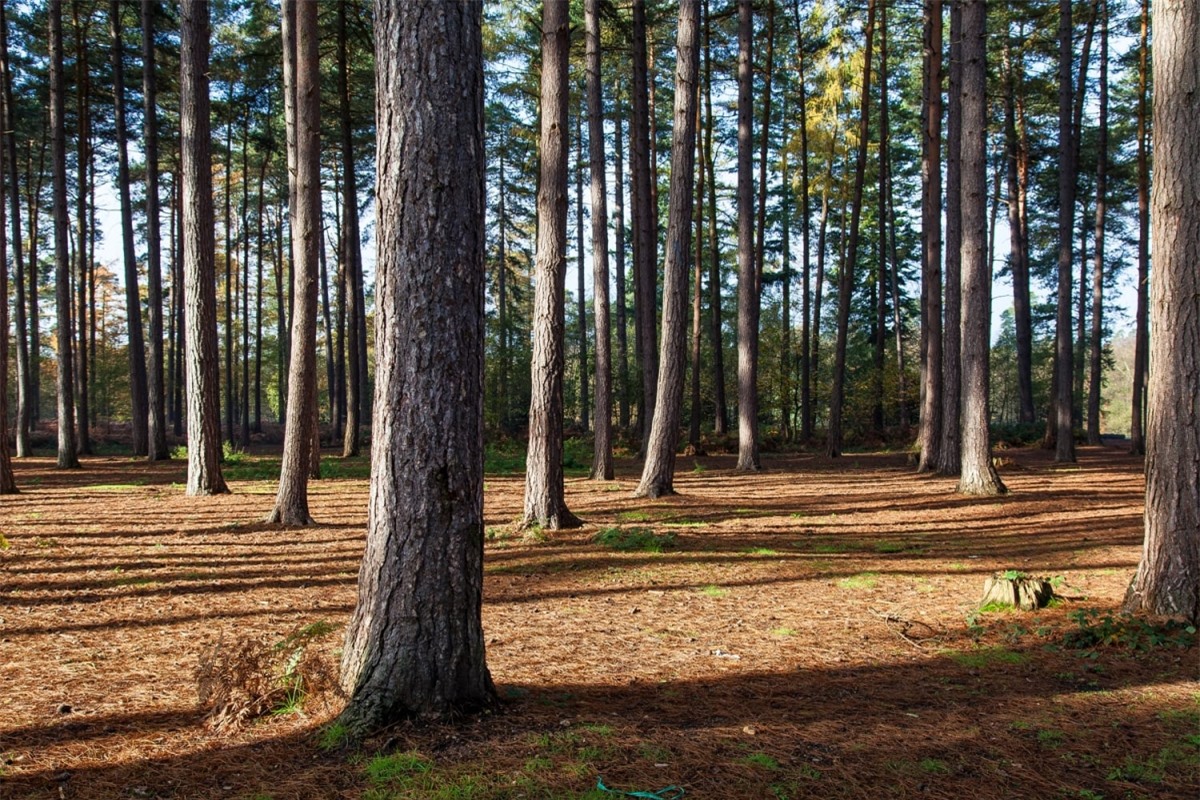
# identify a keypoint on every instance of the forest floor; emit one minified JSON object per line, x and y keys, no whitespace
{"x":810,"y":631}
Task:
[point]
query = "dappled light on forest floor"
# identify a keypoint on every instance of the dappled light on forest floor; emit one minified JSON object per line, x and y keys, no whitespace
{"x":810,"y":631}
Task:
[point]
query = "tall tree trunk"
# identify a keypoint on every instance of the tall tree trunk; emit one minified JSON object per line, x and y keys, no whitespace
{"x":1095,"y":366}
{"x":67,"y":457}
{"x":716,"y":321}
{"x":846,"y":274}
{"x":199,"y":251}
{"x":697,"y":301}
{"x":82,"y":156}
{"x":806,"y":431}
{"x":760,"y":231}
{"x":302,"y":82}
{"x":33,"y":206}
{"x":505,"y":365}
{"x":881,"y":262}
{"x":244,"y":226}
{"x":602,"y":461}
{"x":580,"y":299}
{"x":8,"y":482}
{"x":1064,"y":442}
{"x":785,"y":354}
{"x":1018,"y":246}
{"x":351,"y":251}
{"x":889,"y":230}
{"x":24,"y":376}
{"x":281,"y":318}
{"x":950,"y":453}
{"x":748,"y":285}
{"x":177,"y":297}
{"x":1168,"y":577}
{"x":157,"y":419}
{"x":1141,"y":350}
{"x":544,"y":502}
{"x":415,"y":645}
{"x":644,"y":227}
{"x":622,"y":316}
{"x":659,"y":470}
{"x":978,"y":476}
{"x":258,"y":291}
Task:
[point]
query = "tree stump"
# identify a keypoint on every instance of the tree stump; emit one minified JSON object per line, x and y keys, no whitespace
{"x":1020,"y":591}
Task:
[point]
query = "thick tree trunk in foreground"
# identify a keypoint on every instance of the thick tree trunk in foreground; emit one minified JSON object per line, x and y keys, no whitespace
{"x":978,"y":476}
{"x":299,"y":443}
{"x":748,"y":286}
{"x":67,"y":457}
{"x":1168,"y":578}
{"x":659,"y":469}
{"x":602,"y":461}
{"x":199,"y":255}
{"x":415,"y":647}
{"x":544,"y":502}
{"x":157,"y":431}
{"x":1064,"y":359}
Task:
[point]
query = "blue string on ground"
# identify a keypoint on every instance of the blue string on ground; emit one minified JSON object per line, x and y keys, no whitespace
{"x":666,"y":793}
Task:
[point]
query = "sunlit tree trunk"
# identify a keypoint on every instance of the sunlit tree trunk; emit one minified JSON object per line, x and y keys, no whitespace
{"x":748,"y":285}
{"x":716,"y":323}
{"x":622,"y":390}
{"x":644,"y":228}
{"x":1095,"y":362}
{"x":950,"y":444}
{"x":351,"y":253}
{"x":157,"y":419}
{"x":8,"y":482}
{"x":1137,"y":441}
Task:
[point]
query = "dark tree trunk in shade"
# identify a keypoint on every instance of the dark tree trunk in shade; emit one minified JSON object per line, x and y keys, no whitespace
{"x":244,"y":227}
{"x":659,"y":469}
{"x":977,"y":475}
{"x":697,"y":301}
{"x":83,"y":136}
{"x":950,"y":445}
{"x":351,"y":247}
{"x":721,"y":415}
{"x":156,"y":441}
{"x":1063,"y":379}
{"x":846,"y":273}
{"x":33,"y":217}
{"x":199,"y":255}
{"x":806,"y":431}
{"x":888,"y":230}
{"x":229,"y":307}
{"x":602,"y":459}
{"x":8,"y":482}
{"x":67,"y":457}
{"x":1168,"y":577}
{"x":258,"y":292}
{"x":1141,"y":352}
{"x":415,"y":645}
{"x":622,"y":390}
{"x":749,"y":298}
{"x":764,"y":137}
{"x":1016,"y":156}
{"x":281,"y":320}
{"x":581,"y":291}
{"x":1095,"y":360}
{"x":544,"y":502}
{"x":302,"y":81}
{"x":645,"y":247}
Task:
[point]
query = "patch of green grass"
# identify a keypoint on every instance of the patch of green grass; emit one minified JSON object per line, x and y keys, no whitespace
{"x":538,"y":764}
{"x":116,"y":487}
{"x":783,"y":632}
{"x":713,"y":591}
{"x":397,"y":768}
{"x":997,"y":608}
{"x":863,"y":580}
{"x":760,"y":551}
{"x":179,"y":452}
{"x":891,"y":547}
{"x":597,"y":729}
{"x":635,"y":516}
{"x":685,"y":524}
{"x":648,"y":751}
{"x":1051,"y":738}
{"x":761,"y":760}
{"x":933,"y":766}
{"x":643,"y":540}
{"x":333,"y":736}
{"x":1126,"y":630}
{"x":986,"y":657}
{"x":4,"y":543}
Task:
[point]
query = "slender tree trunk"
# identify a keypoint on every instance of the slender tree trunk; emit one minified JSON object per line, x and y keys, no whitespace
{"x":229,"y":306}
{"x":748,"y":285}
{"x":697,"y":295}
{"x":544,"y":502}
{"x":1065,"y":444}
{"x":33,"y":204}
{"x":156,"y":441}
{"x":978,"y":476}
{"x":764,"y":137}
{"x":806,"y":430}
{"x":281,"y":317}
{"x":846,"y":274}
{"x":8,"y":482}
{"x":1141,"y":350}
{"x":602,"y":461}
{"x":785,"y":355}
{"x":332,"y":368}
{"x":82,"y":148}
{"x":716,"y":319}
{"x":881,"y":262}
{"x":199,"y":250}
{"x":950,"y":453}
{"x":1018,"y":247}
{"x":177,"y":302}
{"x":659,"y":470}
{"x":351,"y":254}
{"x":622,"y":315}
{"x":889,"y":230}
{"x":1168,"y":577}
{"x":1095,"y":366}
{"x":415,"y":645}
{"x":244,"y":226}
{"x":67,"y":454}
{"x":644,"y":227}
{"x":302,"y":82}
{"x":24,"y":377}
{"x":580,"y":299}
{"x":258,"y":291}
{"x":505,"y":365}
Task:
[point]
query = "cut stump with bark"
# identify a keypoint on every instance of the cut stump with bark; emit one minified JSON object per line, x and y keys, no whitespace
{"x":1023,"y":592}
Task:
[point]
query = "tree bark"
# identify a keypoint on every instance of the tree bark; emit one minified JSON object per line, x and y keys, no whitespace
{"x":622,"y":316}
{"x":82,"y":265}
{"x":716,"y":322}
{"x":697,"y":298}
{"x":351,"y":252}
{"x":659,"y":469}
{"x":581,"y":290}
{"x":846,"y":274}
{"x":302,"y":80}
{"x":244,"y":227}
{"x":24,"y":376}
{"x":978,"y":476}
{"x":806,"y":431}
{"x":1095,"y":362}
{"x":1064,"y":441}
{"x":199,"y":255}
{"x":415,"y":646}
{"x":1018,"y":262}
{"x":1168,"y":577}
{"x":602,"y":460}
{"x":950,"y":447}
{"x":644,"y":228}
{"x":1141,"y":350}
{"x":8,"y":482}
{"x":157,"y":419}
{"x":545,"y":505}
{"x":749,"y":298}
{"x":67,"y":458}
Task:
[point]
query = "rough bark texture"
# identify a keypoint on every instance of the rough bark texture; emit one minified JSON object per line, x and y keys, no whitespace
{"x":1141,"y":351}
{"x":1168,"y":577}
{"x":659,"y":469}
{"x":748,"y":288}
{"x":949,"y":447}
{"x":544,"y":503}
{"x":1095,"y":360}
{"x":977,"y":475}
{"x":1064,"y":450}
{"x":67,"y":457}
{"x":833,"y":445}
{"x":644,"y":245}
{"x":415,"y":646}
{"x":24,"y":377}
{"x":299,"y":442}
{"x":351,"y":250}
{"x":157,"y":431}
{"x":602,"y":460}
{"x":199,"y":255}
